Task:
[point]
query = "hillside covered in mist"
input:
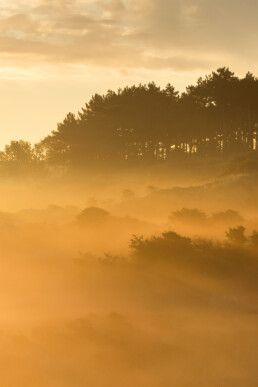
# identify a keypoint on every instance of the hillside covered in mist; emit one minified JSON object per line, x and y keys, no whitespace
{"x":144,"y":312}
{"x":129,"y":242}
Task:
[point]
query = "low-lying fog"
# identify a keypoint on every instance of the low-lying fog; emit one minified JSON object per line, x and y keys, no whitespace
{"x":151,"y":285}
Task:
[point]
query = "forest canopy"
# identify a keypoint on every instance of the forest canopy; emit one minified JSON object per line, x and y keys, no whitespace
{"x":219,"y":114}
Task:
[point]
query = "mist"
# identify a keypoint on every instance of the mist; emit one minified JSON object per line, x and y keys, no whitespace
{"x":132,"y":283}
{"x":129,"y":241}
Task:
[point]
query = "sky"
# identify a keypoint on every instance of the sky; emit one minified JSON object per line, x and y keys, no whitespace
{"x":54,"y":54}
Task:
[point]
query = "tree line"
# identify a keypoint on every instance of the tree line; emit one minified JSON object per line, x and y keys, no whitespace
{"x":219,"y":114}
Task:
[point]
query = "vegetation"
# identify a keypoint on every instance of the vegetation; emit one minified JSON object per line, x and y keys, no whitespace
{"x":146,"y":123}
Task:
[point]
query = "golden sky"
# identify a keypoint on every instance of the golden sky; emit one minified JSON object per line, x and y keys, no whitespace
{"x":54,"y":54}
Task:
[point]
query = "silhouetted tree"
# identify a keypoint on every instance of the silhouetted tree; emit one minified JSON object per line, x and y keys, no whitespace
{"x":21,"y":157}
{"x":147,"y":123}
{"x":236,"y":235}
